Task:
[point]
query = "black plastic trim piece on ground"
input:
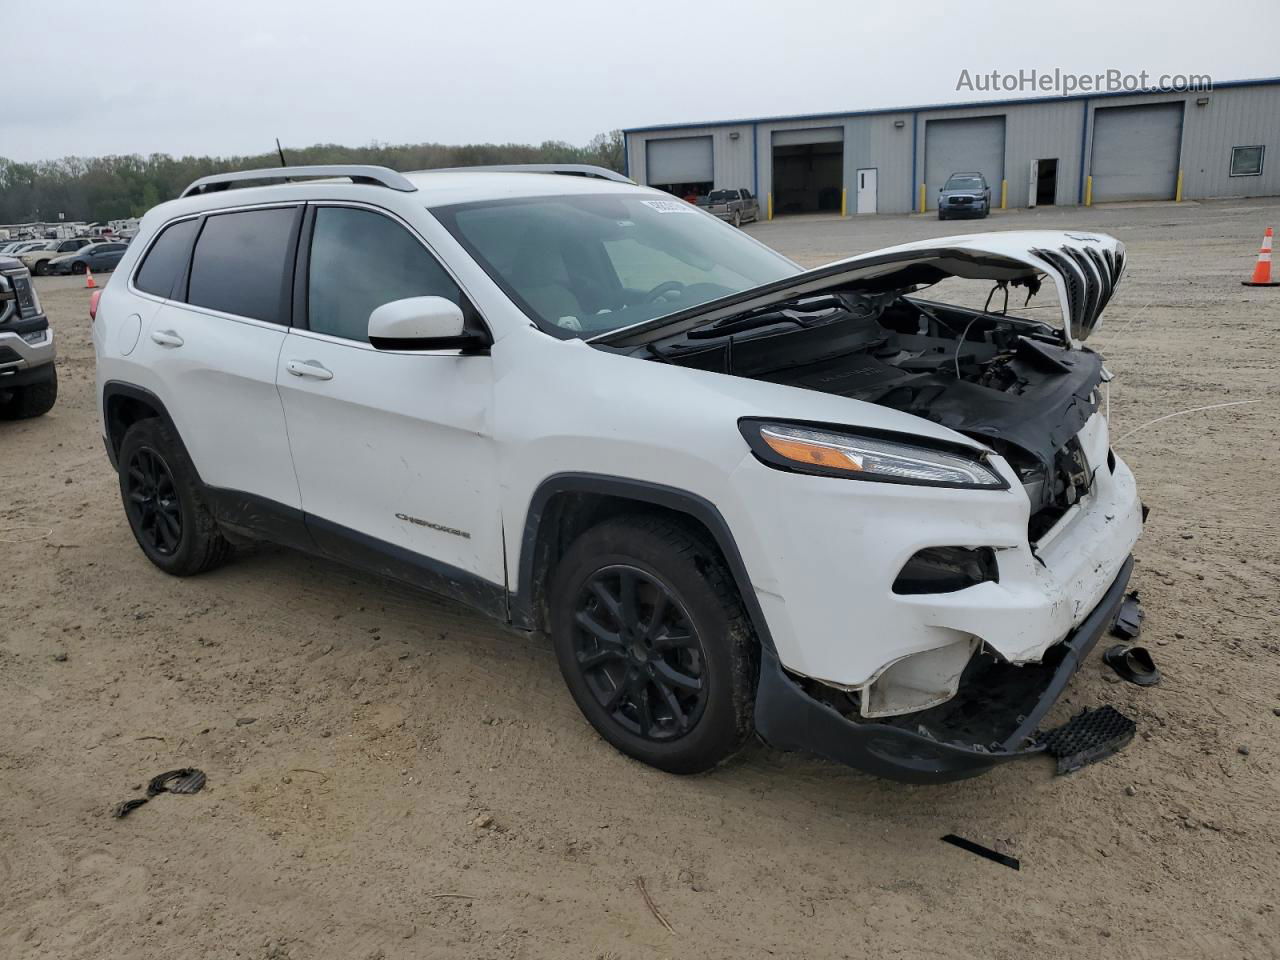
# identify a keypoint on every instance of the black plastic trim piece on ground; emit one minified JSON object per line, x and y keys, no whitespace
{"x":1088,"y":737}
{"x":788,"y":718}
{"x":1003,"y":859}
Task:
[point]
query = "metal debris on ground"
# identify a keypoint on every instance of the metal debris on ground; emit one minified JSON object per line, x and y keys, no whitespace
{"x":186,"y":780}
{"x":1013,"y":863}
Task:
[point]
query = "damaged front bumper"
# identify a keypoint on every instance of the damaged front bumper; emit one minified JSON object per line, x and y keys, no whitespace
{"x":993,"y":718}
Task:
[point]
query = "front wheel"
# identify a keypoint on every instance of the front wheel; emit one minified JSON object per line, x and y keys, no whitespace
{"x":77,"y":267}
{"x":32,"y":400}
{"x":41,"y":268}
{"x":653,"y":643}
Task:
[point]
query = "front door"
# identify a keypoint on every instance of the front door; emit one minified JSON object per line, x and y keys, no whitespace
{"x":394,"y":450}
{"x":867,"y":190}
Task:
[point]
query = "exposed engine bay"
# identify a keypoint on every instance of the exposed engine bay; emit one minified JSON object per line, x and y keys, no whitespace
{"x":855,"y":329}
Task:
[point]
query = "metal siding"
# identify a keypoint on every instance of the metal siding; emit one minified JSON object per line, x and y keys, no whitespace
{"x":963,"y":144}
{"x":1136,"y":151}
{"x":1061,"y":128}
{"x":1235,"y":117}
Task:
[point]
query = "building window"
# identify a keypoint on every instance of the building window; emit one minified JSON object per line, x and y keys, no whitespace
{"x":1246,"y":161}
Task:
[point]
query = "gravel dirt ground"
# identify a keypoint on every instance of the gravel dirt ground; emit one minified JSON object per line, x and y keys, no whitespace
{"x":391,"y":776}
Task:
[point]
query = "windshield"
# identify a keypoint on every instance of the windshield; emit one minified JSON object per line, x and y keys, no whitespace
{"x":584,"y":265}
{"x":964,"y":183}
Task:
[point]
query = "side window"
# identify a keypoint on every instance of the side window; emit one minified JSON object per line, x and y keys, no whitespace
{"x":361,"y":260}
{"x":746,"y":194}
{"x":241,"y":261}
{"x":167,"y":259}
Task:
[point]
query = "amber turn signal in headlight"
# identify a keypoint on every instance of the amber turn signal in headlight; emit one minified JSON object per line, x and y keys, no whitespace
{"x":809,"y":449}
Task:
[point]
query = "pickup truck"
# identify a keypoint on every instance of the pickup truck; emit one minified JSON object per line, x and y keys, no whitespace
{"x":737,"y":206}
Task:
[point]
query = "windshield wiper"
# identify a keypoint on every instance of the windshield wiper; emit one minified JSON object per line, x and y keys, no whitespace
{"x":816,"y":310}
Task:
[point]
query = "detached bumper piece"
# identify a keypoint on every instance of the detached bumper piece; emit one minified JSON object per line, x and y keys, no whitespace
{"x":992,"y":719}
{"x":1089,"y":736}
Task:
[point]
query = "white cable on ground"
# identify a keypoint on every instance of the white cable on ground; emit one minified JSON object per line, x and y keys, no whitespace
{"x":1170,"y":416}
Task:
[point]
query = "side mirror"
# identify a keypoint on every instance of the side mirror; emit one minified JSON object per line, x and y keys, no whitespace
{"x":422,"y":323}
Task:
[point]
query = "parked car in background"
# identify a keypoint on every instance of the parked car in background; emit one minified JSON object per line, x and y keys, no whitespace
{"x":96,"y":256}
{"x":15,"y":247}
{"x":737,"y":206}
{"x":964,"y":195}
{"x":37,"y":258}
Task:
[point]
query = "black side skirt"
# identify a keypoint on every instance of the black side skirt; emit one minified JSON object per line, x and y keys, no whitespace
{"x":259,"y":518}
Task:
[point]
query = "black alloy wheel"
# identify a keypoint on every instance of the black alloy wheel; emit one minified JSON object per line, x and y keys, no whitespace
{"x":639,"y":653}
{"x":152,"y":501}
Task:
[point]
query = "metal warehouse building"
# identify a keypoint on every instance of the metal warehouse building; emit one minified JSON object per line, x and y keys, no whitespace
{"x":1034,"y":152}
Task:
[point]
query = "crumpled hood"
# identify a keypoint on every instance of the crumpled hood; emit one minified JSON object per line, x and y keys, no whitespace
{"x":1085,"y":269}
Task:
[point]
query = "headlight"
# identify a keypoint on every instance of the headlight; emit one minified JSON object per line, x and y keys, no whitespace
{"x":867,"y":456}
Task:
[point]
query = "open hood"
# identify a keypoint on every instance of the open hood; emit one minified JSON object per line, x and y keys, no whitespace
{"x":1084,"y":268}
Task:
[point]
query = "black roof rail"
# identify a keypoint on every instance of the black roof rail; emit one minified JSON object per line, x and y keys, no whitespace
{"x":357,"y":173}
{"x":565,"y":169}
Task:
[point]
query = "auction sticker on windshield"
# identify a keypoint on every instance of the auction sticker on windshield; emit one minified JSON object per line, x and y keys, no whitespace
{"x":670,"y":206}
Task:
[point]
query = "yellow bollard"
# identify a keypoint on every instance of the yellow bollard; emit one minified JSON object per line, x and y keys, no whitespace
{"x":1177,"y":197}
{"x":1004,"y":193}
{"x":770,"y":217}
{"x":844,"y":201}
{"x":922,"y":189}
{"x":1088,"y":191}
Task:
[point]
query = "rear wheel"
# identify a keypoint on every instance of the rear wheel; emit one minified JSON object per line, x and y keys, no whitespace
{"x":653,"y":644}
{"x":78,"y":267}
{"x":737,"y":218}
{"x":163,"y":502}
{"x":32,"y":400}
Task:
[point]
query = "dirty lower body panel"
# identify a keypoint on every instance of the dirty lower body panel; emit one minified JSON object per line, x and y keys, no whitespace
{"x":992,"y":719}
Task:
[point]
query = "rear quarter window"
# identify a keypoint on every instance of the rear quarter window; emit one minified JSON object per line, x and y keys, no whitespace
{"x":167,"y":259}
{"x":240,"y":263}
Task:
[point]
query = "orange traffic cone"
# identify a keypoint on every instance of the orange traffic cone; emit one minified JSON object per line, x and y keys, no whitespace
{"x":1262,"y":271}
{"x":88,"y":280}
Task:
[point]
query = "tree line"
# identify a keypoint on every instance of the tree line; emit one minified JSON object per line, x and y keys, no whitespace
{"x":97,"y":189}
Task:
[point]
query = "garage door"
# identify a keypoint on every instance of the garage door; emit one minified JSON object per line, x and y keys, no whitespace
{"x":681,"y":160}
{"x":963,"y":146}
{"x":1135,"y":152}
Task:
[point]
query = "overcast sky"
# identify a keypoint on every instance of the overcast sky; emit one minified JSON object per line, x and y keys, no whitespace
{"x":228,"y":76}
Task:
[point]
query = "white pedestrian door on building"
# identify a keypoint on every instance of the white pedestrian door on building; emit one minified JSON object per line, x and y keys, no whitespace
{"x":867,"y":190}
{"x":1033,"y":183}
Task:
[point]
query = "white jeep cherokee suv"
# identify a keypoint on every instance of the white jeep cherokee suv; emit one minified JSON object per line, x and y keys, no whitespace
{"x":738,"y":495}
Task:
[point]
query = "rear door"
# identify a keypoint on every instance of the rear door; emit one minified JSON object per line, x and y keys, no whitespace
{"x":394,"y":450}
{"x":211,"y":349}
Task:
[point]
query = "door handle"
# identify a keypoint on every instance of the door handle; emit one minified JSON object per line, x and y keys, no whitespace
{"x":166,"y":338}
{"x":309,"y":368}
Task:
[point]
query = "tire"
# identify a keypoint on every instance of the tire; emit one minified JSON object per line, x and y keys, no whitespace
{"x":32,"y":400}
{"x":621,"y":692}
{"x":164,"y":504}
{"x":737,"y":218}
{"x":41,"y":268}
{"x":78,"y":267}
